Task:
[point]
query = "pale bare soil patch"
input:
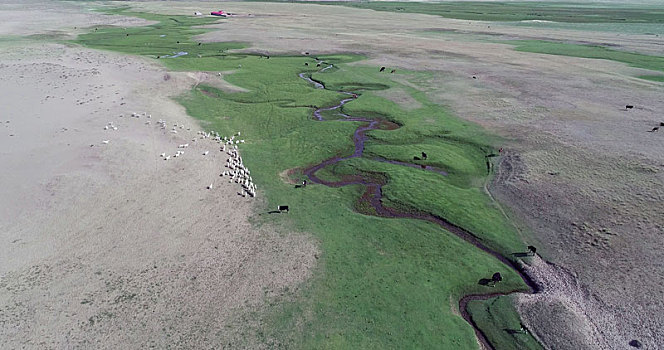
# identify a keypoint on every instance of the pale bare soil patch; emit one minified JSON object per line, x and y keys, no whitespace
{"x":56,"y":19}
{"x":107,"y":245}
{"x":214,"y":79}
{"x":400,"y":97}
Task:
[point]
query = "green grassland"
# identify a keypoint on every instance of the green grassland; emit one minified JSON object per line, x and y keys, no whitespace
{"x":502,"y":328}
{"x":519,"y":11}
{"x":657,"y":78}
{"x":380,"y":283}
{"x":590,"y":51}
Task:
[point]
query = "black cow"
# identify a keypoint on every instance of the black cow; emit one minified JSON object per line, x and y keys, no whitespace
{"x":382,"y":69}
{"x":282,"y":208}
{"x":424,"y":156}
{"x":496,"y":277}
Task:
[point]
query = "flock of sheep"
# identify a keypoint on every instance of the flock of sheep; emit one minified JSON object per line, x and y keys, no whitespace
{"x":237,"y":172}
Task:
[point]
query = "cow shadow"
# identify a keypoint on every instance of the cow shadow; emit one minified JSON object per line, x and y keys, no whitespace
{"x":485,"y":282}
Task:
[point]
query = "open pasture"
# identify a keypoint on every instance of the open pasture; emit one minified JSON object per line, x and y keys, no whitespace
{"x":518,"y":11}
{"x":382,"y":282}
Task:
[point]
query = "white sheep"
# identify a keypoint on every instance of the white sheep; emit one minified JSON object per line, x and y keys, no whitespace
{"x":105,"y":141}
{"x":206,"y":153}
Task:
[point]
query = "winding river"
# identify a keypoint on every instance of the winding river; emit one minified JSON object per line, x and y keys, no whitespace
{"x":373,"y":196}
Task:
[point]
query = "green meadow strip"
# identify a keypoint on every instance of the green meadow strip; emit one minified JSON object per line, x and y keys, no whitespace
{"x":379,"y":283}
{"x":590,"y":51}
{"x":502,"y":11}
{"x":657,"y":78}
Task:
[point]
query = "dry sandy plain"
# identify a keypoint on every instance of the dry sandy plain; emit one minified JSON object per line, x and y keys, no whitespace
{"x":82,"y":223}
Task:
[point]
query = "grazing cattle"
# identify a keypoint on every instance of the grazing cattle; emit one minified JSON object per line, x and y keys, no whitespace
{"x":318,"y":65}
{"x":199,"y":44}
{"x":629,"y":106}
{"x":532,"y":250}
{"x":661,"y":123}
{"x":424,"y":156}
{"x":127,"y":34}
{"x":304,"y":183}
{"x":282,"y":208}
{"x":474,"y":77}
{"x":393,"y":70}
{"x":497,"y":277}
{"x":306,"y":63}
{"x":382,"y":69}
{"x":306,"y":53}
{"x":654,"y":129}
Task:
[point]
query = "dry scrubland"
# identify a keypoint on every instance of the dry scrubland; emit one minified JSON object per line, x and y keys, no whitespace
{"x":581,"y":175}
